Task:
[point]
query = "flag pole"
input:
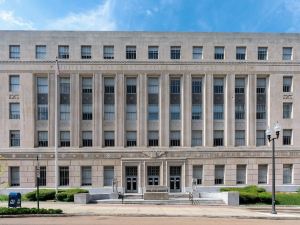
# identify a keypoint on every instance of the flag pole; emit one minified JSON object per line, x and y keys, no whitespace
{"x":56,"y":128}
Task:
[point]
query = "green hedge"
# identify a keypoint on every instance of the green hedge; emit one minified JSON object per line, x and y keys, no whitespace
{"x":4,"y":198}
{"x":44,"y":195}
{"x":68,"y":195}
{"x":15,"y":211}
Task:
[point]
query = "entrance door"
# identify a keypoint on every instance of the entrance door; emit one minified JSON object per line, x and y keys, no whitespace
{"x":153,"y":175}
{"x":175,"y":178}
{"x":131,"y":179}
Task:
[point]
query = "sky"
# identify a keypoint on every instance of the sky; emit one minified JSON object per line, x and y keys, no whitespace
{"x":152,"y":15}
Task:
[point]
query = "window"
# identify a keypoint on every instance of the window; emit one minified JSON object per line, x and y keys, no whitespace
{"x":241,"y":174}
{"x":131,"y":85}
{"x":196,"y":138}
{"x":196,"y":86}
{"x":175,"y":52}
{"x":87,"y":98}
{"x":287,"y":84}
{"x":175,"y":86}
{"x":14,"y":51}
{"x":64,"y":112}
{"x":14,"y":138}
{"x":43,"y":176}
{"x":175,"y":138}
{"x":239,"y":86}
{"x":218,"y":111}
{"x":196,"y":112}
{"x":109,"y":138}
{"x":240,"y":53}
{"x":109,"y":112}
{"x":287,"y":173}
{"x":65,"y":138}
{"x":130,"y":52}
{"x":197,"y":174}
{"x":86,"y":175}
{"x":261,"y":86}
{"x":219,"y":53}
{"x":262,"y":174}
{"x":153,"y":98}
{"x":197,"y":52}
{"x":109,"y":98}
{"x":40,"y":51}
{"x":131,"y":138}
{"x":287,"y":137}
{"x":64,"y":98}
{"x":218,"y":85}
{"x":87,"y":138}
{"x":260,"y":137}
{"x":108,"y":52}
{"x":14,"y":176}
{"x":153,"y":138}
{"x":14,"y":83}
{"x":108,"y":175}
{"x":43,"y":138}
{"x":153,"y":85}
{"x":42,"y":98}
{"x":175,"y":112}
{"x":14,"y":110}
{"x":87,"y":112}
{"x":262,"y":53}
{"x":87,"y":85}
{"x":287,"y":110}
{"x":239,"y":138}
{"x":287,"y":53}
{"x":153,"y":112}
{"x":261,"y":98}
{"x":152,"y":52}
{"x":63,"y":51}
{"x":109,"y":85}
{"x":131,"y":112}
{"x":239,"y":111}
{"x":260,"y":111}
{"x":63,"y":175}
{"x":86,"y":52}
{"x":218,"y":137}
{"x":219,"y":174}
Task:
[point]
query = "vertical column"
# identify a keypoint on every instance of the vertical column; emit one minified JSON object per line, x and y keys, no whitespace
{"x":120,"y":120}
{"x":164,"y":97}
{"x":97,"y":112}
{"x":186,"y":107}
{"x":75,"y":109}
{"x":142,"y":110}
{"x":230,"y":111}
{"x":208,"y":111}
{"x":51,"y":107}
{"x":251,"y":110}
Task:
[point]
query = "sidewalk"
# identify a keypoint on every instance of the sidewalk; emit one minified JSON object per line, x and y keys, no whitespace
{"x":255,"y":212}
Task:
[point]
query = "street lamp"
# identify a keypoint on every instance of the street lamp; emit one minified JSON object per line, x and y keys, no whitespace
{"x":277,"y":129}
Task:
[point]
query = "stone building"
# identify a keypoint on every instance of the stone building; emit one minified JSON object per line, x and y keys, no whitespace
{"x":180,"y":110}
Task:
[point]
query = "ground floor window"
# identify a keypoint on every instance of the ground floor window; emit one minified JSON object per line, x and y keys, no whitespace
{"x":86,"y":175}
{"x":108,"y":175}
{"x":63,"y":175}
{"x":14,"y":176}
{"x":262,"y":174}
{"x":43,"y":176}
{"x":219,"y":174}
{"x":240,"y":174}
{"x":287,"y":173}
{"x":197,"y":174}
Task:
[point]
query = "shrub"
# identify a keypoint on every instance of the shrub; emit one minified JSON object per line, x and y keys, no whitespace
{"x":68,"y":194}
{"x":265,"y":197}
{"x":15,"y":211}
{"x":44,"y":195}
{"x":288,"y":198}
{"x":3,"y":198}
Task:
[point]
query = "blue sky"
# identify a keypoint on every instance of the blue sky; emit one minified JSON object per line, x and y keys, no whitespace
{"x":152,"y":15}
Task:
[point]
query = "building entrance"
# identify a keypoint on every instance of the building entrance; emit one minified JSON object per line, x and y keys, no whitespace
{"x":153,"y":175}
{"x":175,"y":178}
{"x":131,"y":179}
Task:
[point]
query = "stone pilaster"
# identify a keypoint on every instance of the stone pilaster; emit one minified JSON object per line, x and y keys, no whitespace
{"x":208,"y":111}
{"x":229,"y":130}
{"x":164,"y":110}
{"x":251,"y":110}
{"x":186,"y":108}
{"x":120,"y":114}
{"x":75,"y":105}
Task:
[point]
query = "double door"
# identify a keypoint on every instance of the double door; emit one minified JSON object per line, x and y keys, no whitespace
{"x":175,"y":178}
{"x":131,"y":179}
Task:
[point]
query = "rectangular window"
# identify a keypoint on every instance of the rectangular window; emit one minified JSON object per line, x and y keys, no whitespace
{"x":240,"y":138}
{"x":109,"y":98}
{"x":64,"y":176}
{"x":87,"y":112}
{"x":153,"y":112}
{"x":87,"y":98}
{"x":241,"y":174}
{"x":240,"y":53}
{"x":196,"y":86}
{"x":218,"y":111}
{"x":175,"y":86}
{"x":287,"y":84}
{"x":43,"y":176}
{"x":196,"y":112}
{"x":109,"y":138}
{"x":287,"y":53}
{"x":64,"y":98}
{"x":196,"y":98}
{"x":87,"y":138}
{"x":63,"y":51}
{"x":14,"y":83}
{"x":86,"y":176}
{"x":197,"y":52}
{"x":239,"y":111}
{"x":261,"y":98}
{"x":287,"y":173}
{"x":14,"y":136}
{"x":218,"y":137}
{"x":87,"y":85}
{"x":64,"y":138}
{"x":197,"y":174}
{"x":219,"y":53}
{"x":64,"y":112}
{"x":153,"y":98}
{"x":14,"y":110}
{"x":260,"y":137}
{"x":14,"y":176}
{"x":108,"y":52}
{"x":130,"y":52}
{"x":287,"y":137}
{"x":239,"y":98}
{"x":218,"y":86}
{"x":262,"y":53}
{"x":287,"y":110}
{"x":152,"y":52}
{"x":175,"y":112}
{"x":175,"y":52}
{"x":42,"y":98}
{"x":131,"y":85}
{"x":40,"y":51}
{"x":219,"y":174}
{"x":175,"y":138}
{"x":196,"y":138}
{"x":131,"y":112}
{"x":109,"y":112}
{"x":43,"y":138}
{"x":131,"y":138}
{"x":14,"y":51}
{"x":86,"y":52}
{"x":153,"y":138}
{"x":108,"y":175}
{"x":262,"y":174}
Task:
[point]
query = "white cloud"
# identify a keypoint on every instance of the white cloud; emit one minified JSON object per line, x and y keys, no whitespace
{"x":11,"y":22}
{"x":100,"y":18}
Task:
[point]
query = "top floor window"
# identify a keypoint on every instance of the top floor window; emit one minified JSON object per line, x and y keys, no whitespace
{"x":63,"y":51}
{"x":197,"y":52}
{"x":287,"y":84}
{"x":240,"y":53}
{"x":175,"y":52}
{"x":262,"y":53}
{"x":40,"y":51}
{"x":130,"y":52}
{"x":287,"y":53}
{"x":86,"y":52}
{"x":108,"y":52}
{"x":14,"y":83}
{"x":153,"y":52}
{"x":14,"y":51}
{"x":219,"y":52}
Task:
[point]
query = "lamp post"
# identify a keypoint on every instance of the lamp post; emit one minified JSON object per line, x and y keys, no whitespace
{"x":38,"y":172}
{"x":277,"y":129}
